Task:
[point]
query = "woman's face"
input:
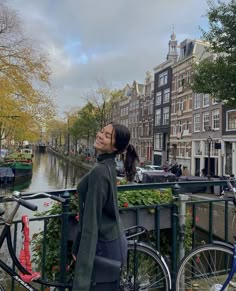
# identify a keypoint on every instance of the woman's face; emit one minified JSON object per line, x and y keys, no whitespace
{"x":105,"y":140}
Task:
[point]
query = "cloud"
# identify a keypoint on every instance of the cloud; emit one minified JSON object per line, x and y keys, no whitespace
{"x":117,"y":41}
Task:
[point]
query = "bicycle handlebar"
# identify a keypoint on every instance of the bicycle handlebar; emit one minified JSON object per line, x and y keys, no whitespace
{"x":53,"y":197}
{"x":17,"y":197}
{"x":27,"y":204}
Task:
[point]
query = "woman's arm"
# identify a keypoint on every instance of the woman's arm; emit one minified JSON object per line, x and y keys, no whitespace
{"x":98,"y":187}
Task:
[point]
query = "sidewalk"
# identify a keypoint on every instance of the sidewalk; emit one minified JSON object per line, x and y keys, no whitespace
{"x":208,"y":196}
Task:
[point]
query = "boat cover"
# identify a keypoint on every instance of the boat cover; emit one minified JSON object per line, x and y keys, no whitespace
{"x":6,"y":172}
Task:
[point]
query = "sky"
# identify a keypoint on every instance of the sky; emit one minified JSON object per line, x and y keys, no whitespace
{"x":110,"y":41}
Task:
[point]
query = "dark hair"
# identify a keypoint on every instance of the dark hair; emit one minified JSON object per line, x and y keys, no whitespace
{"x":122,"y":138}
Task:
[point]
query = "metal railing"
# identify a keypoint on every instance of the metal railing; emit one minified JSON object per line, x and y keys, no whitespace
{"x":183,"y":207}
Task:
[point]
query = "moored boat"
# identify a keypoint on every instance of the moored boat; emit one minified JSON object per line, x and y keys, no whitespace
{"x":20,"y":163}
{"x":27,"y":151}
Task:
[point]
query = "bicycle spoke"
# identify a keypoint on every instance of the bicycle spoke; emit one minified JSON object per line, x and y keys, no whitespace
{"x":205,"y":268}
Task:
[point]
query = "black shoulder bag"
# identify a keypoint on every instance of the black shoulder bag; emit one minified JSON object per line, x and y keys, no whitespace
{"x":106,"y":272}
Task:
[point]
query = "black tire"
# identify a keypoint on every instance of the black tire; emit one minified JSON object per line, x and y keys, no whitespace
{"x":151,"y":273}
{"x":205,"y":268}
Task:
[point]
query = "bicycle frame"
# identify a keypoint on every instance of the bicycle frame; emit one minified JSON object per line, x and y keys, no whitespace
{"x":6,"y":235}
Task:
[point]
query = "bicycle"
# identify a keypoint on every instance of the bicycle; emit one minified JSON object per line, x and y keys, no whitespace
{"x":210,"y":267}
{"x":146,"y":269}
{"x":6,"y":235}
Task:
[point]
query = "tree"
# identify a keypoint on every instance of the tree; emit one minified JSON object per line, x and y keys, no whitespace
{"x":217,"y":75}
{"x":24,"y":80}
{"x":87,"y":123}
{"x":103,"y":99}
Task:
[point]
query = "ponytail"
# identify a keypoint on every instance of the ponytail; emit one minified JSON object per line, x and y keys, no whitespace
{"x":131,"y":158}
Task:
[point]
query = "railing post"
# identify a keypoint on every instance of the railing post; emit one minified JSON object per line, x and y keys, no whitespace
{"x":174,"y":222}
{"x":182,"y":223}
{"x":64,"y":236}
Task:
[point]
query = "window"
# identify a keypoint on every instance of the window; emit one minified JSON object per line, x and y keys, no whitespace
{"x":197,"y":101}
{"x":180,"y":103}
{"x":216,"y":119}
{"x":197,"y":148}
{"x":174,"y":106}
{"x":179,"y":126}
{"x":158,"y":141}
{"x":166,"y":115}
{"x":158,"y":98}
{"x":231,"y":119}
{"x":158,"y":117}
{"x":166,"y":97}
{"x":206,"y":120}
{"x":214,"y":101}
{"x":188,"y":77}
{"x":206,"y":98}
{"x":174,"y":129}
{"x":196,"y":122}
{"x":163,"y":78}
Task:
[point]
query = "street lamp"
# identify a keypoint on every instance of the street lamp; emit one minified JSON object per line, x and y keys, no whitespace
{"x":209,"y":141}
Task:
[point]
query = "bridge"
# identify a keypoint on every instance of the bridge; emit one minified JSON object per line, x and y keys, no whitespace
{"x":182,"y":222}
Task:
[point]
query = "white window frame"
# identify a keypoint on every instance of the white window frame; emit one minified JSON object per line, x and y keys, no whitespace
{"x":166,"y":96}
{"x":158,"y":117}
{"x":196,"y":122}
{"x":205,"y":120}
{"x":180,"y":103}
{"x":205,"y":100}
{"x":197,"y":101}
{"x":163,"y":79}
{"x":215,"y":119}
{"x":166,"y":115}
{"x":158,"y":141}
{"x":158,"y":98}
{"x":233,"y":122}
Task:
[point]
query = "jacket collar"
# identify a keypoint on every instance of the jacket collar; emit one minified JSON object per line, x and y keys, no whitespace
{"x":106,"y":156}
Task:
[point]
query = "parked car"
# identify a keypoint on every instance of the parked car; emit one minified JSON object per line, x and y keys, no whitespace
{"x":120,"y":171}
{"x":138,"y":178}
{"x":154,"y":167}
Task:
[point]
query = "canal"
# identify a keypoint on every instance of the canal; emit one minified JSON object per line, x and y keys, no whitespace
{"x":49,"y":173}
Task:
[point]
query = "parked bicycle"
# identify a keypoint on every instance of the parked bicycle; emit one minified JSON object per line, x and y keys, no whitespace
{"x":209,"y":267}
{"x":146,"y":269}
{"x":6,"y":235}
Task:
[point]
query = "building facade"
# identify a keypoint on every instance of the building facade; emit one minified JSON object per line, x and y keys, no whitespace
{"x":162,"y":104}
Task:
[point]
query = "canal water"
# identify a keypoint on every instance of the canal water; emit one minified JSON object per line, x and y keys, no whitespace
{"x":49,"y":173}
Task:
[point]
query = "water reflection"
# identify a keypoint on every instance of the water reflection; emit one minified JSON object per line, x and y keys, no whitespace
{"x":49,"y":173}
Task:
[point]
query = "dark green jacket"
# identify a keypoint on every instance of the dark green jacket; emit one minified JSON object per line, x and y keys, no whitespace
{"x":99,"y":216}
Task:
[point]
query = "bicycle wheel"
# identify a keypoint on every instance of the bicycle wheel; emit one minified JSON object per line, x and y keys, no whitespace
{"x":145,"y":270}
{"x":205,"y":268}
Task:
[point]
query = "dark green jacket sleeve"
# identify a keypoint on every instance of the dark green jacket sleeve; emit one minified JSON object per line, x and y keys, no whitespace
{"x":98,"y":187}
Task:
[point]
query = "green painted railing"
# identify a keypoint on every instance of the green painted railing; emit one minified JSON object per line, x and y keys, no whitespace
{"x":177,"y":219}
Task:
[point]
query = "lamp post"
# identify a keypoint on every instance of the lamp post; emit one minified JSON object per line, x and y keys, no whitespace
{"x":209,"y":141}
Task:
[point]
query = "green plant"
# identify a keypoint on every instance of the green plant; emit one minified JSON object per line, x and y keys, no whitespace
{"x":144,"y":197}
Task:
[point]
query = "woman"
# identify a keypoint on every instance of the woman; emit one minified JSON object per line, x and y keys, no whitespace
{"x":99,"y":232}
